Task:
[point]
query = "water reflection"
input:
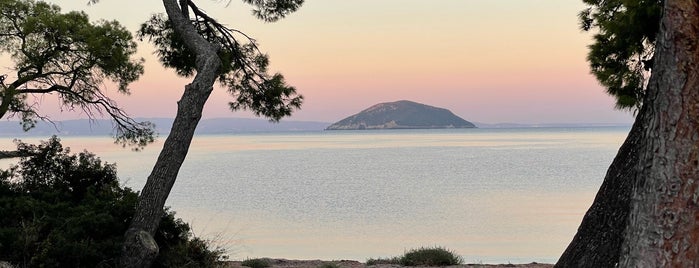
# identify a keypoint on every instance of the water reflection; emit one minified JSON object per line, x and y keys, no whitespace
{"x":493,"y":195}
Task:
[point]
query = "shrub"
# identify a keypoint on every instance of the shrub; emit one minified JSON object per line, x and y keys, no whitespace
{"x":180,"y":248}
{"x":329,"y":265}
{"x":432,"y":256}
{"x":372,"y":261}
{"x":256,"y":263}
{"x":66,"y":210}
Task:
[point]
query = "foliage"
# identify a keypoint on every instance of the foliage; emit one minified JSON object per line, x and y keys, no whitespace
{"x":67,"y":55}
{"x":256,"y":263}
{"x":621,"y":56}
{"x":66,"y":210}
{"x":372,"y":261}
{"x":61,"y":210}
{"x":273,"y":10}
{"x":430,"y":256}
{"x":180,"y":248}
{"x":424,"y":256}
{"x":329,"y":265}
{"x":244,"y":67}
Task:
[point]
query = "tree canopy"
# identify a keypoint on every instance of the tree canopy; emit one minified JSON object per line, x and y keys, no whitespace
{"x":273,"y":10}
{"x":621,"y":56}
{"x":67,"y":55}
{"x":243,"y":68}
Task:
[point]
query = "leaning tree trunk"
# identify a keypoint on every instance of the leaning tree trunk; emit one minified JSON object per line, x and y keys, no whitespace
{"x":663,"y":226}
{"x":139,"y":248}
{"x":600,"y":235}
{"x":645,"y":214}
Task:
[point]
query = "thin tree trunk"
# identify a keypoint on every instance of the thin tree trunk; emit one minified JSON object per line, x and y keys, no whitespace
{"x":139,"y":247}
{"x":5,"y":100}
{"x":663,"y":226}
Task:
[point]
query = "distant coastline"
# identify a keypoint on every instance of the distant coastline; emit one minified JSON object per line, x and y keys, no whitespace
{"x":549,"y":125}
{"x":86,"y":127}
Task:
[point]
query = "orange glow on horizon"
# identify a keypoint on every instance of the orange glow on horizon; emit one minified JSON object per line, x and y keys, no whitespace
{"x":490,"y":61}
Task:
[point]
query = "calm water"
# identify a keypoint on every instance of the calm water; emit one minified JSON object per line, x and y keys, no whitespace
{"x":492,"y":195}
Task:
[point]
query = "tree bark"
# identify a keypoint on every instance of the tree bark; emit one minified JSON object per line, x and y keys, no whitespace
{"x":600,"y":235}
{"x":139,"y":247}
{"x":645,"y":214}
{"x":663,"y":226}
{"x":5,"y":99}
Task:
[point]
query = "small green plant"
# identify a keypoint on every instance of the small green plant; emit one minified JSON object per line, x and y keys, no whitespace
{"x":431,"y":256}
{"x":256,"y":263}
{"x":329,"y":265}
{"x":372,"y":261}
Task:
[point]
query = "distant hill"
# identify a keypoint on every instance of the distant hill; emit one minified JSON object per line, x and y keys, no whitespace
{"x":86,"y":127}
{"x":401,"y":115}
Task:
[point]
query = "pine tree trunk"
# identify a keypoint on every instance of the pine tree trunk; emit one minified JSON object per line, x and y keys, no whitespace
{"x":663,"y":226}
{"x":600,"y":235}
{"x":139,"y":248}
{"x":645,"y":214}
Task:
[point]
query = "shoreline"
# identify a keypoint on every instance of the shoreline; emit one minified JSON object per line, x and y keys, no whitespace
{"x":285,"y":263}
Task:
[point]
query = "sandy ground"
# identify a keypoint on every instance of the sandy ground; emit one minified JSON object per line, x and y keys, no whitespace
{"x":282,"y":263}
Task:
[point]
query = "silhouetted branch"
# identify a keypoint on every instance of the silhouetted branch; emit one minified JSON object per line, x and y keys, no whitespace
{"x":13,"y":154}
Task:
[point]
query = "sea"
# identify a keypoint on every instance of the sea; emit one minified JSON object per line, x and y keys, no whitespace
{"x":491,"y":195}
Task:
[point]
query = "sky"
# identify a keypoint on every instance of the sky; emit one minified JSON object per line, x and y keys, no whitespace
{"x":505,"y":61}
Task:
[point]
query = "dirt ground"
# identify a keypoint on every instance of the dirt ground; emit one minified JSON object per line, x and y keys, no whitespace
{"x":282,"y":263}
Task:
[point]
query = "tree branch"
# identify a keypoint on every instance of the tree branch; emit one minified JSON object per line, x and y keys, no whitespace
{"x":190,"y":36}
{"x":37,"y":90}
{"x":13,"y":154}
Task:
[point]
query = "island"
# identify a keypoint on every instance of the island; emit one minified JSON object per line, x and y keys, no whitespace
{"x":401,"y":115}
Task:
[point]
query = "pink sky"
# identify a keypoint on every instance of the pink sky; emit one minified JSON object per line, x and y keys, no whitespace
{"x":487,"y":61}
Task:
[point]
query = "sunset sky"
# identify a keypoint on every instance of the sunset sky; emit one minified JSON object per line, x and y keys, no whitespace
{"x":487,"y":61}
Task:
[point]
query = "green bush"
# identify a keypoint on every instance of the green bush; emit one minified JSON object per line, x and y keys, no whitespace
{"x":372,"y":261}
{"x":329,"y":265}
{"x":432,"y":256}
{"x":256,"y":263}
{"x":180,"y":248}
{"x":66,"y":210}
